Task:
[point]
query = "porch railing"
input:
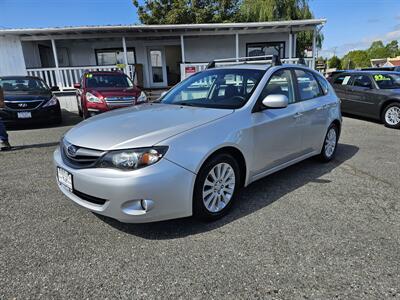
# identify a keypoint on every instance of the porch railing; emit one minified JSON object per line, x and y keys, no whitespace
{"x":65,"y":77}
{"x":188,"y":69}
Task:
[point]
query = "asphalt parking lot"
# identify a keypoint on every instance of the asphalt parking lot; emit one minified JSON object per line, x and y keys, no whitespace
{"x":312,"y":231}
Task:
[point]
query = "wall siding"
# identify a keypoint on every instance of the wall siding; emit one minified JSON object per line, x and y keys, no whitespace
{"x":11,"y":56}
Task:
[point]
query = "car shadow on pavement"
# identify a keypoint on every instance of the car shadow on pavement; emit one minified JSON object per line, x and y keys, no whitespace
{"x":256,"y":196}
{"x":43,"y":145}
{"x":68,"y":119}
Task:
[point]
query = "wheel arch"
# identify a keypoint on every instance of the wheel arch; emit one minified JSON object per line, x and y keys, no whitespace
{"x":237,"y":154}
{"x":385,"y":105}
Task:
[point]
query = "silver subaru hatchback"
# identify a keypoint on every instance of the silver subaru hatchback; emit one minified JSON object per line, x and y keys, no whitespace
{"x":190,"y":153}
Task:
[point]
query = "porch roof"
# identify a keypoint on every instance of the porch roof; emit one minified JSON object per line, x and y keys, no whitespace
{"x":162,"y":30}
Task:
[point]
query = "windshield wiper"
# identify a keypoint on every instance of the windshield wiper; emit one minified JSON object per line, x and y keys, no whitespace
{"x":184,"y":104}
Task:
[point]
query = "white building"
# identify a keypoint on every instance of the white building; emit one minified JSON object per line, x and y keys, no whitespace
{"x":157,"y":56}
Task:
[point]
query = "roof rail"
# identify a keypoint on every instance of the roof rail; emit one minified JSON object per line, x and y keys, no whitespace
{"x":274,"y":59}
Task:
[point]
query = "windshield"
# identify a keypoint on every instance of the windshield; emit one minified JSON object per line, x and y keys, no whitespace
{"x":108,"y":81}
{"x":216,"y":88}
{"x":387,"y":81}
{"x":23,"y":85}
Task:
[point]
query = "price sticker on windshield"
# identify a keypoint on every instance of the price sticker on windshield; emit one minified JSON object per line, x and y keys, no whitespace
{"x":89,"y":75}
{"x":381,"y":77}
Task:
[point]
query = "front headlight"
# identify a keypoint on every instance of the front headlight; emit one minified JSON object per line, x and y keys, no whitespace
{"x":92,"y":98}
{"x":51,"y":102}
{"x":132,"y":159}
{"x":142,"y":98}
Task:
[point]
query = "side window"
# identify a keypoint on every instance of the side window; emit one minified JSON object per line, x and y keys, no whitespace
{"x":342,"y":80}
{"x":308,"y":85}
{"x":280,"y":83}
{"x":362,"y":81}
{"x":324,"y":84}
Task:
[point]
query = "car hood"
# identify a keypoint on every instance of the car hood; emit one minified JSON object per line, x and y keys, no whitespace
{"x":140,"y":126}
{"x":27,"y":96}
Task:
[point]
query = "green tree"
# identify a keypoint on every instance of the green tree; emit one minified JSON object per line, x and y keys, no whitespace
{"x":378,"y":50}
{"x":218,"y":11}
{"x":393,"y":48}
{"x":356,"y":59}
{"x":276,"y":10}
{"x":335,"y":62}
{"x":186,"y":11}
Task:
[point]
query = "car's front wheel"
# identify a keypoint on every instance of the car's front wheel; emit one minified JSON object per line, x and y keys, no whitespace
{"x":391,"y":116}
{"x":216,"y":187}
{"x":330,"y":143}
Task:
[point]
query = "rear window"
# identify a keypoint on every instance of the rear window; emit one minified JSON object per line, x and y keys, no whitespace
{"x":23,"y":85}
{"x":107,"y":80}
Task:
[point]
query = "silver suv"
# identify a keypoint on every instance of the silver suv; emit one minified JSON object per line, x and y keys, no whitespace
{"x":215,"y":132}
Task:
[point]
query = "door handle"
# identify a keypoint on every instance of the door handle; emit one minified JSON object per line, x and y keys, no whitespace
{"x":297,"y":115}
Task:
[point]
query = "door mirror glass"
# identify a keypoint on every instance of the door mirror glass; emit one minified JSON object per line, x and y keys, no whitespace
{"x":276,"y":101}
{"x":55,"y":89}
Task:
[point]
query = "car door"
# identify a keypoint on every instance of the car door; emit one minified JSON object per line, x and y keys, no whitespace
{"x":341,"y":85}
{"x":316,"y":104}
{"x":361,"y":96}
{"x":277,"y":132}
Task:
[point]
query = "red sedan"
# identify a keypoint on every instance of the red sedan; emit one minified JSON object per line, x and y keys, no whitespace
{"x":102,"y":91}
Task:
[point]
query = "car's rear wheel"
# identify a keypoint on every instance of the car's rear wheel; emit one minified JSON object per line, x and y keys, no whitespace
{"x":330,"y":144}
{"x":216,"y":187}
{"x":391,"y":115}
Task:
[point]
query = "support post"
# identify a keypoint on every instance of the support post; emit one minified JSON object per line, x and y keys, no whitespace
{"x":183,"y":49}
{"x":314,"y":47}
{"x":295,"y":45}
{"x":290,"y":46}
{"x":237,"y":46}
{"x":58,"y":75}
{"x":125,"y":56}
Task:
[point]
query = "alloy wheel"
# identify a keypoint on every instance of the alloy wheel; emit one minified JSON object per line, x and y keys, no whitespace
{"x":330,"y":142}
{"x":392,"y":116}
{"x":218,"y":187}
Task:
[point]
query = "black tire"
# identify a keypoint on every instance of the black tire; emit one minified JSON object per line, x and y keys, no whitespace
{"x":326,"y":155}
{"x":79,"y":107}
{"x":199,"y":208}
{"x":395,"y":106}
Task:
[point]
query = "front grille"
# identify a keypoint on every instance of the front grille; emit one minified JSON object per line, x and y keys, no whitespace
{"x":89,"y":198}
{"x":23,"y":105}
{"x":120,"y":101}
{"x":77,"y":157}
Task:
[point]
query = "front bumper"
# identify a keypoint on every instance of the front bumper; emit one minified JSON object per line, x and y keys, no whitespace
{"x":168,"y":186}
{"x":39,"y":115}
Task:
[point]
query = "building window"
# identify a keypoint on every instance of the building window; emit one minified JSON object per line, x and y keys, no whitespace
{"x":267,"y":48}
{"x":106,"y":57}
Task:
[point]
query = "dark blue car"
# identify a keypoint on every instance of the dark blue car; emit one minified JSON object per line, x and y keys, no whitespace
{"x":29,"y":100}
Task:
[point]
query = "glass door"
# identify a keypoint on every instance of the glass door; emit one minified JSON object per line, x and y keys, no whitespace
{"x":158,"y":70}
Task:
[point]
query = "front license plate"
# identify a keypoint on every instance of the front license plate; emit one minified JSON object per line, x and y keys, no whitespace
{"x":24,"y":115}
{"x":64,"y":178}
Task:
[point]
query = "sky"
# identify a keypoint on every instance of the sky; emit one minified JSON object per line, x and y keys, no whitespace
{"x":351,"y":24}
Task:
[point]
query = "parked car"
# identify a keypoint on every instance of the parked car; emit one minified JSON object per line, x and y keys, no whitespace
{"x":29,"y":99}
{"x":213,"y":133}
{"x":101,"y":91}
{"x":372,"y":94}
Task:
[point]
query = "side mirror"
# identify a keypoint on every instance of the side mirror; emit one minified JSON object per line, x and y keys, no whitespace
{"x":55,"y":89}
{"x":276,"y":101}
{"x":77,"y":85}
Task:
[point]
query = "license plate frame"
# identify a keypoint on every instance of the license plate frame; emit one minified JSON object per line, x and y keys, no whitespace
{"x":65,"y":179}
{"x":24,"y":115}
